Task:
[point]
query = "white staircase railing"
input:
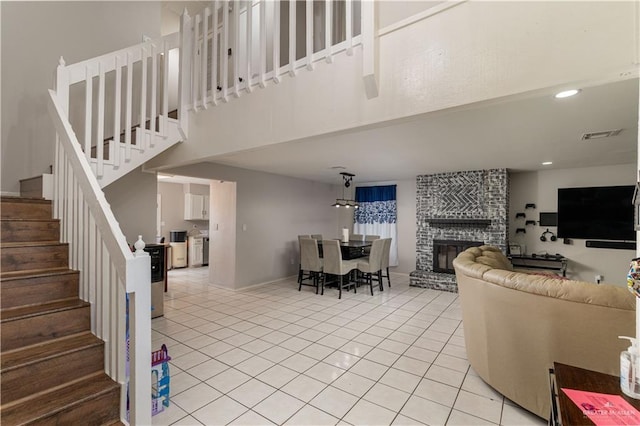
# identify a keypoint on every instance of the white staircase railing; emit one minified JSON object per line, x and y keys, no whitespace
{"x":122,"y":102}
{"x":110,"y":271}
{"x":236,"y":48}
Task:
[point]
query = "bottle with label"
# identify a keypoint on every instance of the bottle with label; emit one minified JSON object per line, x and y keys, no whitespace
{"x":629,"y":379}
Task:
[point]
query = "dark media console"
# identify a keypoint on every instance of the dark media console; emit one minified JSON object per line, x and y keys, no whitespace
{"x":621,"y":245}
{"x":553,"y":262}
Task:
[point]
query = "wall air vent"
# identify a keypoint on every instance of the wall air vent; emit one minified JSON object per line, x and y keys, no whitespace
{"x":601,"y":135}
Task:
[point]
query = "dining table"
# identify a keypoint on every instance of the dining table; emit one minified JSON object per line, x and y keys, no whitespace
{"x":351,"y":249}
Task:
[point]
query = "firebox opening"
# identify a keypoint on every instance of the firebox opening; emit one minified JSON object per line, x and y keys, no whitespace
{"x":444,"y":251}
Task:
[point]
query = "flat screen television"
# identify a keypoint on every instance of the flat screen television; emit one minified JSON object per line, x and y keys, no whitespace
{"x":596,"y":213}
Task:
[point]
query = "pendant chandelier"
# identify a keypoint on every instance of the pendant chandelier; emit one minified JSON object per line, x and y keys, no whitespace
{"x":345,"y":202}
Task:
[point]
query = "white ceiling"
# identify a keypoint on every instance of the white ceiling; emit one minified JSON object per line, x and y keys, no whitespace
{"x":518,"y":134}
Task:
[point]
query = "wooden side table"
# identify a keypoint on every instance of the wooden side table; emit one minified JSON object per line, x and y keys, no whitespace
{"x":563,"y":410}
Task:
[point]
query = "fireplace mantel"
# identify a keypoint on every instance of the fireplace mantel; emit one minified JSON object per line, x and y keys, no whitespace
{"x":454,"y":221}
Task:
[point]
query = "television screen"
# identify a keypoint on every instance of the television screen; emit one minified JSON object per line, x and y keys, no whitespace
{"x":599,"y":213}
{"x":548,"y":219}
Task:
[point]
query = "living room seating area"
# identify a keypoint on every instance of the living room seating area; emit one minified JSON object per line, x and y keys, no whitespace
{"x":517,"y":324}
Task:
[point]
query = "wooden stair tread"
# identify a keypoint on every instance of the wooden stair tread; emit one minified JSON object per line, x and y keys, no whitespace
{"x":36,"y":273}
{"x":31,"y":244}
{"x":29,"y":354}
{"x":57,"y":399}
{"x":12,"y":314}
{"x":19,"y":219}
{"x":18,"y":199}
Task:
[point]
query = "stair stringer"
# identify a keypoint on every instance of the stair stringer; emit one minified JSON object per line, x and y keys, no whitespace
{"x":141,"y":152}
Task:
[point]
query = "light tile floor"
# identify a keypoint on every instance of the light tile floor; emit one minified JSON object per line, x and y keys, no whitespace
{"x":273,"y":355}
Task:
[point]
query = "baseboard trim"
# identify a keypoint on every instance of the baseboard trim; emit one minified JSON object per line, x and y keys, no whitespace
{"x":252,"y":286}
{"x":9,"y":194}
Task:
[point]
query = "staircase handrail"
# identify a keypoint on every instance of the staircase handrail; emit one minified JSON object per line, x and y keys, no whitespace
{"x":77,"y":71}
{"x":126,"y":105}
{"x":79,"y":201}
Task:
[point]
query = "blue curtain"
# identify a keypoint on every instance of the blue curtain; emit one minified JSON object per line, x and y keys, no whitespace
{"x":377,"y":215}
{"x":377,"y":204}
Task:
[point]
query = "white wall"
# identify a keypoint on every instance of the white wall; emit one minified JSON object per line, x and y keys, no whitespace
{"x":541,"y":188}
{"x":34,"y":35}
{"x":222,"y":238}
{"x":392,"y":12}
{"x":133,"y":202}
{"x":472,"y":52}
{"x":274,"y":210}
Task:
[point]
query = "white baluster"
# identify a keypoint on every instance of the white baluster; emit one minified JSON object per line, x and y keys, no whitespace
{"x":185,"y":72}
{"x":236,"y":48}
{"x":214,"y":54}
{"x":195,"y":59}
{"x":328,"y":30}
{"x":116,"y":113}
{"x":309,"y":13}
{"x":249,"y":43}
{"x":165,"y":90}
{"x":263,"y":42}
{"x":369,"y":50}
{"x":100,"y":130}
{"x":96,"y":314}
{"x":141,"y":133}
{"x":292,"y":37}
{"x":154,"y":96}
{"x":204,"y":51}
{"x":88,"y":109}
{"x":276,"y":42}
{"x":128,"y":112}
{"x":349,"y":24}
{"x":225,"y":49}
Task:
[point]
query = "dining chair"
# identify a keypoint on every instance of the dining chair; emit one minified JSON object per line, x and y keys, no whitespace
{"x":357,"y":237}
{"x":385,"y":260}
{"x":300,"y":273}
{"x":310,"y":262}
{"x":316,"y":236}
{"x":373,"y":264}
{"x":334,"y":265}
{"x":370,"y":238}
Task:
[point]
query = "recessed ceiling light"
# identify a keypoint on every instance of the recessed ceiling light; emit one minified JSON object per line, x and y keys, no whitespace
{"x":547,"y":163}
{"x":567,"y":93}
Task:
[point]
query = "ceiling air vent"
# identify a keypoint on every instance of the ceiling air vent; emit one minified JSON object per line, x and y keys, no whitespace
{"x":600,"y":135}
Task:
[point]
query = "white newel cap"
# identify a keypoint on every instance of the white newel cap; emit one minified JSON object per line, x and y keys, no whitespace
{"x":139,"y":245}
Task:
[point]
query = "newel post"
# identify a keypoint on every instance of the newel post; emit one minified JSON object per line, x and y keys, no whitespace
{"x":62,"y":85}
{"x":186,"y":60}
{"x":138,"y":285}
{"x":369,"y":49}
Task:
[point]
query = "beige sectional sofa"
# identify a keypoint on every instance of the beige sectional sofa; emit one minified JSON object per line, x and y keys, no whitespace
{"x":516,"y":324}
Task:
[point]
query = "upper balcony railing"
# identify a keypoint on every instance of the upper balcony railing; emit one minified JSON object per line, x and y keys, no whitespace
{"x":237,"y":46}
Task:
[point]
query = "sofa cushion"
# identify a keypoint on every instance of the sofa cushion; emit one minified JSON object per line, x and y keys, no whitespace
{"x":570,"y":290}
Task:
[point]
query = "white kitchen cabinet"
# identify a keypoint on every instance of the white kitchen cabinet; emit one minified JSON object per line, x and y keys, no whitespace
{"x":195,"y":251}
{"x":196,"y":207}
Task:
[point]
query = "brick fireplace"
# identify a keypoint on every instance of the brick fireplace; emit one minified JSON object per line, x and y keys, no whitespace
{"x":456,"y":211}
